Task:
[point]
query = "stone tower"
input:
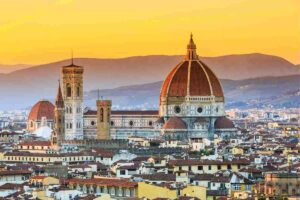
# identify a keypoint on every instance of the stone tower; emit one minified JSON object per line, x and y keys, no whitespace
{"x":58,"y":134}
{"x":73,"y":99}
{"x":103,"y":119}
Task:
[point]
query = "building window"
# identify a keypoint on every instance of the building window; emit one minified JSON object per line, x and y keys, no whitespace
{"x":92,"y":123}
{"x":229,"y":166}
{"x":200,"y":167}
{"x":78,"y":91}
{"x":199,"y":110}
{"x":122,"y":172}
{"x":177,"y":109}
{"x":209,"y":167}
{"x":70,"y":125}
{"x":150,"y":123}
{"x":237,"y":187}
{"x":108,"y":115}
{"x":69,"y":90}
{"x":101,"y":115}
{"x":130,"y":123}
{"x":112,"y":123}
{"x":248,"y":187}
{"x":219,"y":167}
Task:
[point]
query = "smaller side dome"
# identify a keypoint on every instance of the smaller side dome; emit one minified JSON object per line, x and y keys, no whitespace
{"x":174,"y":123}
{"x":160,"y":120}
{"x":223,"y":123}
{"x":41,"y":109}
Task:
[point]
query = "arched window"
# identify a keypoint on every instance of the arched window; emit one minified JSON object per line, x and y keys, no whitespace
{"x":108,"y":115}
{"x":101,"y":115}
{"x":70,"y":125}
{"x":78,"y":90}
{"x":69,"y":90}
{"x":130,"y":123}
{"x":70,"y":110}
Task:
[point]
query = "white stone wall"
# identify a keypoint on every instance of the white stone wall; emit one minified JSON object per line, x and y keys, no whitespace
{"x":123,"y":126}
{"x":195,"y":109}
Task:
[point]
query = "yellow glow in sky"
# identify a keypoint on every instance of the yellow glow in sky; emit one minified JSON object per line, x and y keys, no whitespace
{"x":41,"y":31}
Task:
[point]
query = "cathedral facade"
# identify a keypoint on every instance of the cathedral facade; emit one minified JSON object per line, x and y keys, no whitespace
{"x":191,"y":107}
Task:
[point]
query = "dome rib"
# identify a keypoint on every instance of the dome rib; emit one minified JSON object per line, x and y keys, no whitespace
{"x":179,"y":81}
{"x":199,"y":78}
{"x":215,"y":82}
{"x":166,"y":83}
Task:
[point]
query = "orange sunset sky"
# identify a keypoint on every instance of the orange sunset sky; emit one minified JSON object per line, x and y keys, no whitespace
{"x":41,"y":31}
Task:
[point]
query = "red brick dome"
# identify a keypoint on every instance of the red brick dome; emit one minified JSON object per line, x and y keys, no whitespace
{"x":174,"y":123}
{"x":41,"y":109}
{"x":223,"y":123}
{"x":191,"y":77}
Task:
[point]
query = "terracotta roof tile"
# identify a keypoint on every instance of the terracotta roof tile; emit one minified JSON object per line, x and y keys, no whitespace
{"x":41,"y":109}
{"x":105,"y":182}
{"x":175,"y":123}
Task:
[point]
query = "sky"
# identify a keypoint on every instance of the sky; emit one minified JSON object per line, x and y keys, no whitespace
{"x":42,"y":31}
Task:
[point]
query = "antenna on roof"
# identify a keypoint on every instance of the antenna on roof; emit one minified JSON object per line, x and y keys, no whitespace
{"x":72,"y":56}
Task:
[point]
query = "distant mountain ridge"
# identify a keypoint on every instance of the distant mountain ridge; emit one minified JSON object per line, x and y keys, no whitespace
{"x":281,"y":91}
{"x":24,"y":87}
{"x":4,"y":69}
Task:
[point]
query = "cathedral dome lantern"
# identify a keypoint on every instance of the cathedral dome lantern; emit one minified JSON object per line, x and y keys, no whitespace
{"x":190,"y":82}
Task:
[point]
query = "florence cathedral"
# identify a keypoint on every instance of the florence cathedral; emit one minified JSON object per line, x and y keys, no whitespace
{"x":191,"y":107}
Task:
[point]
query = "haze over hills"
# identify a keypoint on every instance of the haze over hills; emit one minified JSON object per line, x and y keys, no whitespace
{"x":279,"y":92}
{"x":4,"y":69}
{"x":22,"y":88}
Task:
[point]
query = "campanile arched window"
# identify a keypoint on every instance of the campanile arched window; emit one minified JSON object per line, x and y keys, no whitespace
{"x":101,"y":115}
{"x":108,"y":115}
{"x":78,"y":91}
{"x":69,"y":90}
